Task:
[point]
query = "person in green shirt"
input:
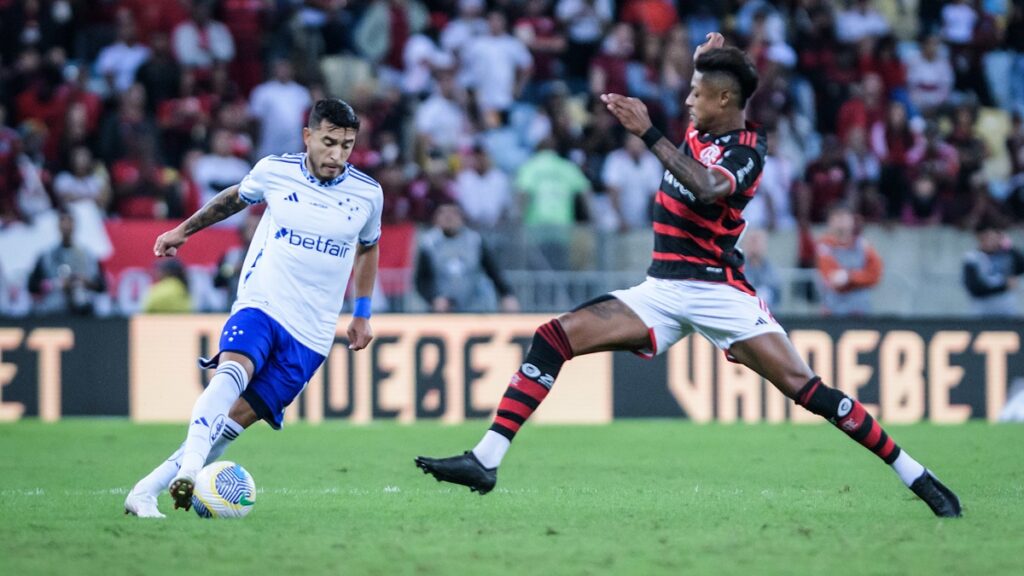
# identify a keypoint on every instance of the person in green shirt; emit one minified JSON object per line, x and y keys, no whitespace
{"x":548,"y":185}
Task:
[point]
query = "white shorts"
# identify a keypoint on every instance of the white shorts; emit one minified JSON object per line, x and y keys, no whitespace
{"x":674,"y":309}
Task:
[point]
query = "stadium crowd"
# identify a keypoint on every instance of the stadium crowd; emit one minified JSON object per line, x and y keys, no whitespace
{"x":908,"y":113}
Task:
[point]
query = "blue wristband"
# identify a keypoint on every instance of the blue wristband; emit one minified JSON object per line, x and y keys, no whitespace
{"x":362,"y":307}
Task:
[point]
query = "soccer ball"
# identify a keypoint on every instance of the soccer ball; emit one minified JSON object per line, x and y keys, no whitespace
{"x":223,"y":490}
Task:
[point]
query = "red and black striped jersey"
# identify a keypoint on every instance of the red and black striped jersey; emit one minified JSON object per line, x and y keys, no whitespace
{"x":697,"y":241}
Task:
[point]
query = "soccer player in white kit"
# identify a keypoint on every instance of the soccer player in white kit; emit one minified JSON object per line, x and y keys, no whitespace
{"x":321,"y":227}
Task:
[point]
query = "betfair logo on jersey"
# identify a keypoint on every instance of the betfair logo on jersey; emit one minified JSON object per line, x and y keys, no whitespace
{"x":314,"y":243}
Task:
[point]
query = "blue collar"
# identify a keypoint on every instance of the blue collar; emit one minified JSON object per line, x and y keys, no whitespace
{"x":313,"y":179}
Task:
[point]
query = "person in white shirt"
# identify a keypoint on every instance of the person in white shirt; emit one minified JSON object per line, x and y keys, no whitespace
{"x":930,"y":75}
{"x":218,"y":170}
{"x":85,"y":192}
{"x":499,"y":65}
{"x":483,"y":191}
{"x":119,"y":61}
{"x":859,"y":21}
{"x":279,"y":105}
{"x":203,"y":42}
{"x":440,"y":121}
{"x":321,"y":227}
{"x":632,"y":175}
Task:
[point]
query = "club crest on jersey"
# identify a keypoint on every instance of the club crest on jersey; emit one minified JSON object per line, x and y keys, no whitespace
{"x":710,"y":155}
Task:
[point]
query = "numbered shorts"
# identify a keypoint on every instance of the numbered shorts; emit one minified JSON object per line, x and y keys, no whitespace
{"x":674,"y":309}
{"x":282,"y":364}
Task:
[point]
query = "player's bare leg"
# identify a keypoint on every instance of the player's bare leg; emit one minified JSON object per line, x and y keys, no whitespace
{"x":600,"y":325}
{"x":774,"y":358}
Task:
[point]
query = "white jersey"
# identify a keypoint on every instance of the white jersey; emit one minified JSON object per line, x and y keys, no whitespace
{"x":301,"y":256}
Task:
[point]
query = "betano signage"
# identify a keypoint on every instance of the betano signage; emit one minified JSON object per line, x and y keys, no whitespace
{"x":451,"y":368}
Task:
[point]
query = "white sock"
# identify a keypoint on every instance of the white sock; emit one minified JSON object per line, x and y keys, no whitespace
{"x":161,"y":477}
{"x":491,"y":449}
{"x":210,"y":414}
{"x":908,"y":468}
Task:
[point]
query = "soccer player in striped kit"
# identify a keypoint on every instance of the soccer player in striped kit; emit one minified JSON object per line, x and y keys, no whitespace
{"x":695,"y":284}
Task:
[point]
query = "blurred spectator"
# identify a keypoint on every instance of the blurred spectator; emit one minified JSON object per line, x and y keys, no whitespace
{"x":922,"y":206}
{"x":202,"y":43}
{"x":386,"y":26}
{"x":483,"y":191}
{"x":279,"y":105}
{"x":970,"y":147}
{"x":431,"y":189}
{"x":859,"y":20}
{"x":10,"y":173}
{"x":891,"y":141}
{"x":455,"y":270}
{"x":608,"y":69}
{"x":185,"y":120}
{"x":552,"y":191}
{"x":246,"y":21}
{"x":881,"y":58}
{"x":631,"y":177}
{"x":550,"y":185}
{"x":160,"y":75}
{"x":467,"y":25}
{"x":229,"y":268}
{"x":757,"y":269}
{"x":67,"y":278}
{"x":991,"y":271}
{"x":585,"y":22}
{"x":498,"y":66}
{"x":865,"y":170}
{"x":936,"y":159}
{"x":848,"y":265}
{"x":84,"y":191}
{"x":540,"y":33}
{"x":655,"y":17}
{"x":828,"y":182}
{"x":144,"y":187}
{"x":169,"y":293}
{"x":1014,"y":35}
{"x":929,"y":76}
{"x":45,"y":101}
{"x":440,"y":122}
{"x":118,"y":62}
{"x":122,"y":129}
{"x":218,"y":170}
{"x":865,"y":107}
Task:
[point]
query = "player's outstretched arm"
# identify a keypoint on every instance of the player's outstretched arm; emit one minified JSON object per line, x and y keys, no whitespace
{"x":364,"y":275}
{"x":221,"y":206}
{"x":706,"y":184}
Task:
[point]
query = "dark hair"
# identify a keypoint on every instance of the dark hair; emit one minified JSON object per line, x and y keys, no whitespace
{"x":733,"y":63}
{"x":989,"y":224}
{"x":335,"y":111}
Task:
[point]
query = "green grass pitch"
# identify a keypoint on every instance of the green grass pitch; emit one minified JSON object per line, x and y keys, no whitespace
{"x":660,"y":497}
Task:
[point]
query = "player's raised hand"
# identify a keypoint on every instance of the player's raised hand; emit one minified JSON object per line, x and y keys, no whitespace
{"x":714,"y":40}
{"x":359,"y":333}
{"x":167,"y":244}
{"x":630,"y":112}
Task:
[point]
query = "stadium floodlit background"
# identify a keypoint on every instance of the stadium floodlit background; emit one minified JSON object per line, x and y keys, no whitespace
{"x":120,"y":117}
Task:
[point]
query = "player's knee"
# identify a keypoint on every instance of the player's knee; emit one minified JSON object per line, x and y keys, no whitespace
{"x":554,"y":335}
{"x":820,"y":399}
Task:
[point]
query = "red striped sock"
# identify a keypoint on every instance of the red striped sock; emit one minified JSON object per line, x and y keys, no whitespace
{"x":849,"y":416}
{"x":532,"y":382}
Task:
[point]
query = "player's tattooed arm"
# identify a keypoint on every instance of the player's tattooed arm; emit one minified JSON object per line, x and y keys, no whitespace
{"x":707,"y":185}
{"x":223,"y":205}
{"x":218,"y":208}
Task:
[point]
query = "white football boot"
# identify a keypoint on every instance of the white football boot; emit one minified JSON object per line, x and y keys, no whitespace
{"x":142,"y":505}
